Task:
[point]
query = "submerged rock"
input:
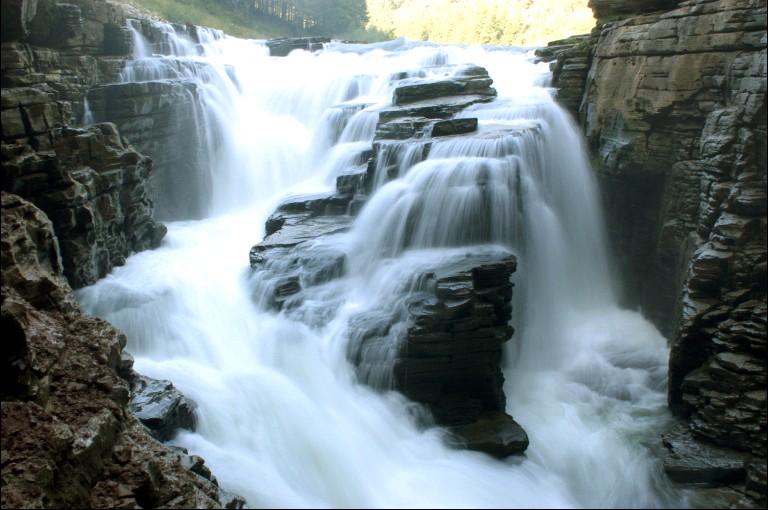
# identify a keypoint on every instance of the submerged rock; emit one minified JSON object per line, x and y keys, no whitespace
{"x":494,"y":433}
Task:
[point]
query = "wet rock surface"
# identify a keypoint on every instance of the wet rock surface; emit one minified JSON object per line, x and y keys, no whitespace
{"x":161,"y":408}
{"x":570,"y":60}
{"x":92,"y":185}
{"x":674,"y":111}
{"x":440,"y":342}
{"x":692,"y":461}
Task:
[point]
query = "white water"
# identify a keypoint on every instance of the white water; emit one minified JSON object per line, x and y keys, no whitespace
{"x":282,"y":420}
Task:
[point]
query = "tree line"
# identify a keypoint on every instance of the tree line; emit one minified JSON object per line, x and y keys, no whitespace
{"x":320,"y":16}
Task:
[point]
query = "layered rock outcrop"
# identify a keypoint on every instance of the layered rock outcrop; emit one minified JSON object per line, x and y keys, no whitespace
{"x":69,"y":439}
{"x":69,"y":436}
{"x":674,"y":110}
{"x":89,"y":181}
{"x":93,"y":187}
{"x":440,"y":341}
{"x":441,"y":345}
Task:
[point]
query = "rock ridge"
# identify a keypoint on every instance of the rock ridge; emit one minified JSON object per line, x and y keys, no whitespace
{"x":673,"y":108}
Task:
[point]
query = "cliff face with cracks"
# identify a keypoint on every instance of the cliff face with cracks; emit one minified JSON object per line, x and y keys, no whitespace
{"x":90,"y":181}
{"x":672,"y":98}
{"x":75,"y":203}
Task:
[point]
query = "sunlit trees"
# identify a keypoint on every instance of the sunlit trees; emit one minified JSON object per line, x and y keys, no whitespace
{"x":501,"y":22}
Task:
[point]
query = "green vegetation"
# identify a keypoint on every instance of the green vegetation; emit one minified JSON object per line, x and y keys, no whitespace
{"x":500,"y":22}
{"x":215,"y":14}
{"x":266,"y":19}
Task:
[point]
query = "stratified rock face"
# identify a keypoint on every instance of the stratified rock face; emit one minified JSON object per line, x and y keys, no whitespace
{"x":673,"y":112}
{"x":67,"y":46}
{"x":90,"y":182}
{"x":438,"y":92}
{"x":570,"y":62}
{"x":92,"y":186}
{"x":450,"y":355}
{"x":161,"y":119}
{"x":68,"y":437}
{"x":675,"y":115}
{"x":440,"y":344}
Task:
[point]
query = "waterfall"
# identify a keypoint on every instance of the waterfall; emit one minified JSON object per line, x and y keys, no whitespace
{"x":283,"y":418}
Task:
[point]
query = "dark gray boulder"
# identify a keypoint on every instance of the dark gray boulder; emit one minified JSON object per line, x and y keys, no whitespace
{"x":161,"y":407}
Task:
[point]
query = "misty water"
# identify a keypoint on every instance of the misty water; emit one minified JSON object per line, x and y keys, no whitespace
{"x":283,"y":419}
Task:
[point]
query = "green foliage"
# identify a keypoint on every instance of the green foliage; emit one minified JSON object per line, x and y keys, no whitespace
{"x":500,"y":22}
{"x":259,"y":19}
{"x":231,"y":16}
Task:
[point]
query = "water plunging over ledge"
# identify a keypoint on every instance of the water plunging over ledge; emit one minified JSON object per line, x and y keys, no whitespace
{"x":282,"y":418}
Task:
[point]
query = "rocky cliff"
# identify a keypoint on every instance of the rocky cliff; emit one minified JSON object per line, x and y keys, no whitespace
{"x":90,"y":181}
{"x":72,"y":435}
{"x":671,"y":96}
{"x":80,"y":428}
{"x":672,"y":99}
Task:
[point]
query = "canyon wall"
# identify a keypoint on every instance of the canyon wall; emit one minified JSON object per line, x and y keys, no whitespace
{"x":90,"y":181}
{"x":672,"y":98}
{"x":75,"y":204}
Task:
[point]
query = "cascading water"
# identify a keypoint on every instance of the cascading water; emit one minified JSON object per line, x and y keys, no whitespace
{"x":282,"y":418}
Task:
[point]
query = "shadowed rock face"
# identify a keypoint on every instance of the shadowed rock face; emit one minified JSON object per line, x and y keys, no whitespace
{"x":675,"y":115}
{"x":68,"y":437}
{"x":611,"y":10}
{"x":90,"y":181}
{"x":79,"y":206}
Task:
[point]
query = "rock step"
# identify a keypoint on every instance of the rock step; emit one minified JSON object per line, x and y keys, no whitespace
{"x":161,"y":407}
